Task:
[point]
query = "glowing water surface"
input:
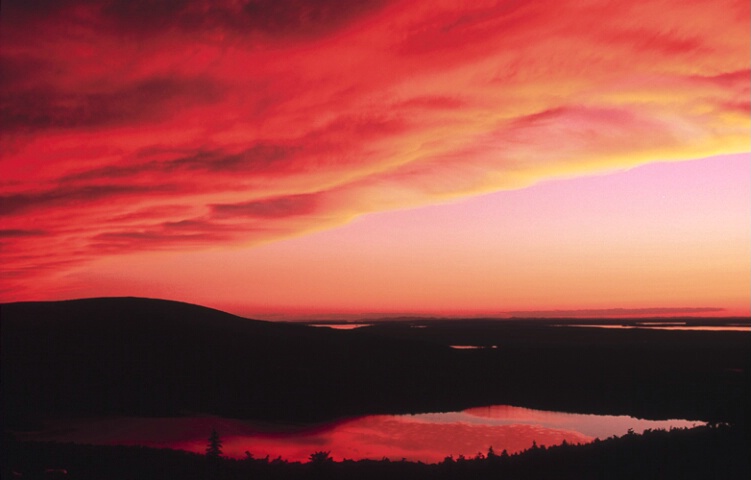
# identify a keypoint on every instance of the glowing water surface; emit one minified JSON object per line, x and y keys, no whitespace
{"x":666,"y":326}
{"x":340,"y":326}
{"x":423,"y":437}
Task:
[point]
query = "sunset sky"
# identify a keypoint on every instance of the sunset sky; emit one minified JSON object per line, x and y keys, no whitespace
{"x":285,"y":158}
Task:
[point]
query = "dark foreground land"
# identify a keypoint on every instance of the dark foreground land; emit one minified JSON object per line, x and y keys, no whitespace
{"x":129,"y":356}
{"x":718,"y":452}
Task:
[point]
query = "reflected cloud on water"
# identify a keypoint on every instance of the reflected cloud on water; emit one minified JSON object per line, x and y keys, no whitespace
{"x":422,"y":437}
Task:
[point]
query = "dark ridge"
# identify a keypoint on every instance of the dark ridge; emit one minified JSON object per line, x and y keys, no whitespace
{"x":135,"y":356}
{"x":156,"y":357}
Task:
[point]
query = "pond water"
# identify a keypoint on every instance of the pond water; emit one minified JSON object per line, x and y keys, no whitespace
{"x":424,"y":437}
{"x":340,"y":326}
{"x":666,"y":326}
{"x":472,"y":347}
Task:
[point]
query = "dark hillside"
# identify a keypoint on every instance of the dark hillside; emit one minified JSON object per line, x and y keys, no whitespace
{"x":154,"y":357}
{"x":641,"y":372}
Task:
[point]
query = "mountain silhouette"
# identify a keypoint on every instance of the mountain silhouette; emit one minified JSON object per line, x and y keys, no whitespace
{"x":149,"y":357}
{"x":157,"y":357}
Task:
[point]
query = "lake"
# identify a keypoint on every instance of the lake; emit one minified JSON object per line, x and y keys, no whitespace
{"x":666,"y":326}
{"x":422,"y":437}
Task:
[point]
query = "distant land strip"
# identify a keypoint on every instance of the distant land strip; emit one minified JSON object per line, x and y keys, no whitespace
{"x":610,"y":312}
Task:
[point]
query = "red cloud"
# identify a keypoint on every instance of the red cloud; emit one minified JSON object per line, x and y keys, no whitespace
{"x":264,"y":119}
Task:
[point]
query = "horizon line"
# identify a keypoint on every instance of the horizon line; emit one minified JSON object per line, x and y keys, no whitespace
{"x":301,"y":315}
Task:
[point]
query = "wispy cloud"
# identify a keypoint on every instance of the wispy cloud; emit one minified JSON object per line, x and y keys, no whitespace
{"x":264,"y":119}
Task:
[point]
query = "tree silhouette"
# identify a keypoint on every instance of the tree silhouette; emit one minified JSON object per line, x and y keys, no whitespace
{"x":214,"y":447}
{"x":320,"y":458}
{"x":491,"y":453}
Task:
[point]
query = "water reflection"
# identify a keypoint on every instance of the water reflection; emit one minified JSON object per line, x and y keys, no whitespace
{"x":665,"y":326}
{"x":340,"y":326}
{"x":472,"y":347}
{"x":423,"y":437}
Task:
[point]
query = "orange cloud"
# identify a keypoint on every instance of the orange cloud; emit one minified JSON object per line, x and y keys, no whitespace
{"x":199,"y":123}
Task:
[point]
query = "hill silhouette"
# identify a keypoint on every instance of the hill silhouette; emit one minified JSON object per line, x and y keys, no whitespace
{"x":153,"y":357}
{"x":156,"y":357}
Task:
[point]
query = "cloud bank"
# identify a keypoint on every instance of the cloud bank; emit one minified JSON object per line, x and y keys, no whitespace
{"x":132,"y":126}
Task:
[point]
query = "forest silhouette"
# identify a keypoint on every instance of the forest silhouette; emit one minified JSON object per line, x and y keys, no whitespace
{"x":719,"y":452}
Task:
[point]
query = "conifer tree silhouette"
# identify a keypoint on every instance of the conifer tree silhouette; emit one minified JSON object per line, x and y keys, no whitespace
{"x":214,"y":447}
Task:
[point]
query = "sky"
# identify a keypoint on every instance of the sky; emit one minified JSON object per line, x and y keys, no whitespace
{"x":286,"y":159}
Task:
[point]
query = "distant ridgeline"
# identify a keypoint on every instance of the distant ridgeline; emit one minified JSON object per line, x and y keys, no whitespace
{"x":134,"y":356}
